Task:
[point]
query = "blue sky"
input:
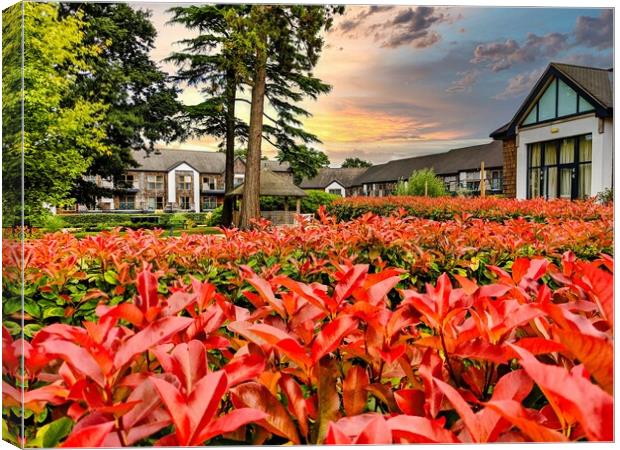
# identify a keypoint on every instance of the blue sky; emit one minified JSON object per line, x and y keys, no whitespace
{"x":414,"y":80}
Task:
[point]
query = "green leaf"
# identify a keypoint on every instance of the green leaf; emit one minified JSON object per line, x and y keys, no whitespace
{"x":31,"y":329}
{"x":50,"y":435}
{"x":110,"y":277}
{"x":56,"y":311}
{"x":32,"y":308}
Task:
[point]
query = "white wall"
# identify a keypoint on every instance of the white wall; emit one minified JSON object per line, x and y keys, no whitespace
{"x":602,"y":148}
{"x":172,"y":184}
{"x":336,"y":185}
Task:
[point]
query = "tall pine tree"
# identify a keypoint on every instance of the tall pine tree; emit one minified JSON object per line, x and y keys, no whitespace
{"x":285,"y":43}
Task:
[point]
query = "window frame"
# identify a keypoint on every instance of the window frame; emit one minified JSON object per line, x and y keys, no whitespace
{"x":574,"y":166}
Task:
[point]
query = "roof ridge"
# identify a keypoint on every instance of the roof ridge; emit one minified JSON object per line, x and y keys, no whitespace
{"x":580,"y":66}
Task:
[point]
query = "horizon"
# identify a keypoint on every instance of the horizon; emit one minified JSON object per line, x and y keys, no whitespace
{"x":406,"y":79}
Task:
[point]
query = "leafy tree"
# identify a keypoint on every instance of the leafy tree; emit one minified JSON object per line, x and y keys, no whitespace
{"x":220,"y":60}
{"x":351,"y":163}
{"x":283,"y":45}
{"x":141,"y":104}
{"x":422,"y":182}
{"x":62,"y":133}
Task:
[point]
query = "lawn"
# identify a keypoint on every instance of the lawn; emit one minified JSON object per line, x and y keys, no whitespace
{"x":425,"y":320}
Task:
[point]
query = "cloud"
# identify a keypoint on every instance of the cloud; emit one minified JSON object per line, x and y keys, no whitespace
{"x":412,"y":27}
{"x":595,"y":32}
{"x":351,"y":24}
{"x":465,"y":83}
{"x":519,"y":84}
{"x":503,"y":55}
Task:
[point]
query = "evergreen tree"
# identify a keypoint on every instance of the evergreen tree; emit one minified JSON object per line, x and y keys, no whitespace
{"x":221,"y":61}
{"x":284,"y":44}
{"x":211,"y":62}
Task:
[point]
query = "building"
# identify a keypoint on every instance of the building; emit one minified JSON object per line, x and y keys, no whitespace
{"x":338,"y":181}
{"x":168,"y":179}
{"x":459,"y":168}
{"x":559,"y":143}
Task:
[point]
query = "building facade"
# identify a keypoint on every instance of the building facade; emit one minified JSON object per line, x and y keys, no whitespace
{"x":559,"y":144}
{"x":459,"y":168}
{"x":337,"y":181}
{"x":174,"y":180}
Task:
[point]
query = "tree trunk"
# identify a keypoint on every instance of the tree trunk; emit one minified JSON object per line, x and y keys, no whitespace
{"x":229,"y":174}
{"x":250,"y":206}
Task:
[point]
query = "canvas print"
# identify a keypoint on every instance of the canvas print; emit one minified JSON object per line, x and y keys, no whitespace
{"x":267,"y":224}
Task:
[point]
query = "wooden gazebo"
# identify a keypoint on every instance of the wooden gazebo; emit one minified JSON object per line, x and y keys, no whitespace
{"x":273,"y":185}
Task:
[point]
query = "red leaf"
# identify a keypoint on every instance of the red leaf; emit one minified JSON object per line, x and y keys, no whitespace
{"x":513,"y":412}
{"x":296,"y":401}
{"x":244,"y":368}
{"x":90,"y":436}
{"x":602,"y":290}
{"x":150,"y":336}
{"x":596,"y":354}
{"x":410,"y":401}
{"x":376,"y":431}
{"x":350,"y":281}
{"x":264,"y":289}
{"x":469,"y":286}
{"x":328,"y":399}
{"x":330,"y":336}
{"x":230,"y":422}
{"x":477,"y":430}
{"x":587,"y":402}
{"x":257,"y":396}
{"x":79,"y":358}
{"x":354,"y":391}
{"x":414,"y":430}
{"x":147,"y":288}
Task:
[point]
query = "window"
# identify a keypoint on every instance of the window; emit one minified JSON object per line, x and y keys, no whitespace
{"x":209,"y":183}
{"x":450,"y":183}
{"x":128,"y":181}
{"x":155,"y":182}
{"x":561,"y":168}
{"x":184,"y":202}
{"x":335,"y":192}
{"x":495,"y":181}
{"x":184,"y":182}
{"x":239,"y":179}
{"x":127,"y":202}
{"x":470,"y":180}
{"x":153,"y":203}
{"x":558,"y":100}
{"x":209,"y":202}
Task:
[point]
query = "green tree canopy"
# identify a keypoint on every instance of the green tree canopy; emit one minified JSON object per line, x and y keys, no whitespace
{"x":422,"y":182}
{"x":140,"y":100}
{"x":355,"y":163}
{"x":62,"y":133}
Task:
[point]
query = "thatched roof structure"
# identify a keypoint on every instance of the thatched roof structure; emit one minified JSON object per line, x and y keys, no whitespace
{"x":274,"y":185}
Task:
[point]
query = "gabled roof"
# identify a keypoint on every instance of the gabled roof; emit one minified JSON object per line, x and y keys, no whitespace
{"x":274,"y":185}
{"x":447,"y":163}
{"x":594,"y":84}
{"x":164,"y":160}
{"x":344,"y":176}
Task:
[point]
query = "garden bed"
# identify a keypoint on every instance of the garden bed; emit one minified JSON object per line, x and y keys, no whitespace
{"x":374,"y":330}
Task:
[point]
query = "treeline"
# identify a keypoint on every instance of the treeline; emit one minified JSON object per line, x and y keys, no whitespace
{"x":92,"y":94}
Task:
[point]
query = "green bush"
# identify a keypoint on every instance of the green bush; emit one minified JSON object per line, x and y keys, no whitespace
{"x":53,"y":222}
{"x":309,"y":204}
{"x":214,"y":218}
{"x":422,"y":182}
{"x":605,"y":197}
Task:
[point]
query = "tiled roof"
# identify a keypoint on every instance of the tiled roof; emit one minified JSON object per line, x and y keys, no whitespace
{"x":596,"y":82}
{"x":346,"y":177}
{"x":447,"y":163}
{"x":164,"y":160}
{"x":275,"y":185}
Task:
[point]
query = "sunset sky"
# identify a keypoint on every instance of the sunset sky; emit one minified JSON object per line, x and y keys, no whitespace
{"x":409,"y":81}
